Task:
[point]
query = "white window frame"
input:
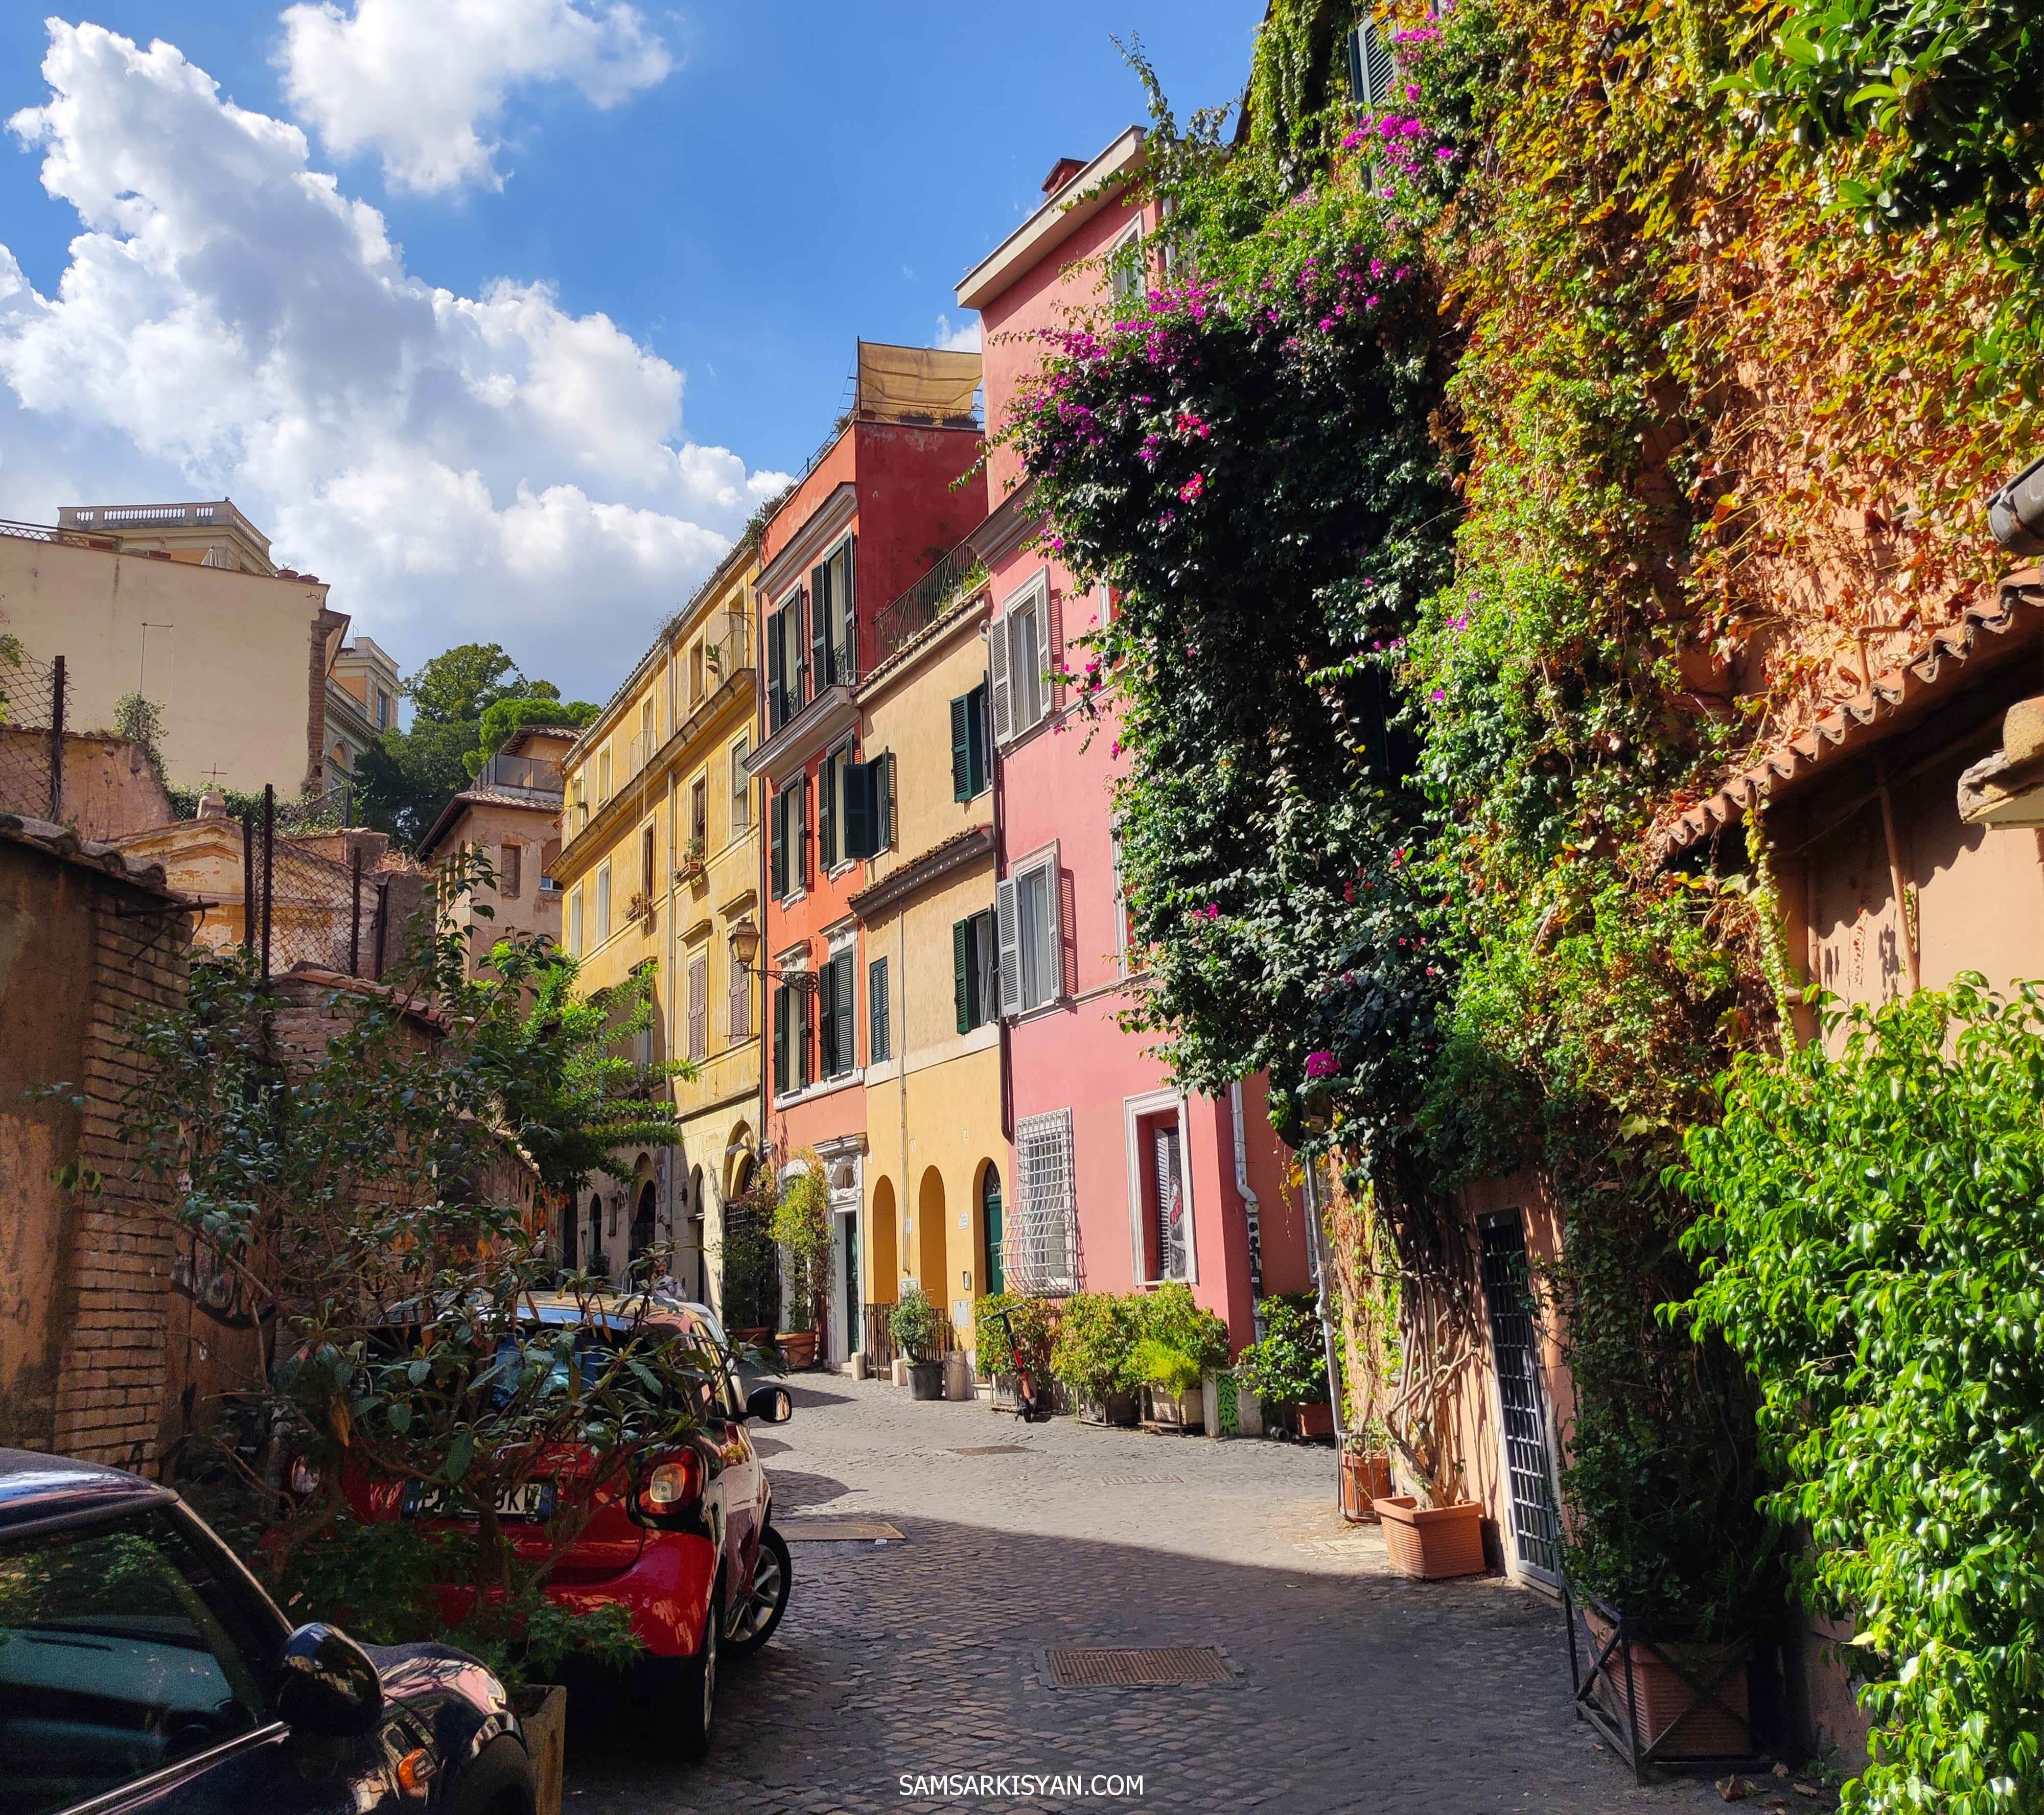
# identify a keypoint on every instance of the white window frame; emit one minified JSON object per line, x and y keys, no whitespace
{"x":575,"y":922}
{"x":1008,"y":932}
{"x":1005,"y":674}
{"x":1054,"y":1123}
{"x":1118,"y":279}
{"x":1133,"y":1110}
{"x":741,"y":785}
{"x":603,"y":901}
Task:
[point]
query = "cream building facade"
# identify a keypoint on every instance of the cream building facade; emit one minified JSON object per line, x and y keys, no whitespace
{"x":936,"y":1145}
{"x":660,"y":864}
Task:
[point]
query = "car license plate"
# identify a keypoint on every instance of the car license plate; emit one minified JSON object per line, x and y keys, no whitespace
{"x":530,"y":1500}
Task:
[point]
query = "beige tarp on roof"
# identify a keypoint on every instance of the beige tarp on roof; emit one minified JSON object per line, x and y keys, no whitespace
{"x":918,"y":382}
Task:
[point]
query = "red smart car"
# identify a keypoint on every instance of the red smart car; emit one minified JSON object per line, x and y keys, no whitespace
{"x":689,"y":1550}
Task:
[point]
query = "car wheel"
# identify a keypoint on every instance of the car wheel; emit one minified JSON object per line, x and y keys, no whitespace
{"x":761,"y":1610}
{"x":692,"y":1702}
{"x":498,"y":1780}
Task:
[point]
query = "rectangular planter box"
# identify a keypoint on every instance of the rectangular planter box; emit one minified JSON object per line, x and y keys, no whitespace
{"x":1432,"y":1543}
{"x":1665,"y":1721}
{"x":1116,"y":1408}
{"x":958,"y":1375}
{"x":1180,"y":1413}
{"x":542,"y":1710}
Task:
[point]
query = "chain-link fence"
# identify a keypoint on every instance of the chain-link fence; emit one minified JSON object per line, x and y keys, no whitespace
{"x":309,"y":898}
{"x":32,"y":728}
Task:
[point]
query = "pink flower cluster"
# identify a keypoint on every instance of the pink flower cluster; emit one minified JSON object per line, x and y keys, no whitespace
{"x":1320,"y":1065}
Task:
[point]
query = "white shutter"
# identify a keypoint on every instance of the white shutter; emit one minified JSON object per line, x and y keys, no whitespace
{"x":1011,"y":959}
{"x":996,"y":656}
{"x":1050,"y":936}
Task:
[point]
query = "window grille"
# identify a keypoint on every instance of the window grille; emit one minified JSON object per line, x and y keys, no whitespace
{"x":1043,"y":1240}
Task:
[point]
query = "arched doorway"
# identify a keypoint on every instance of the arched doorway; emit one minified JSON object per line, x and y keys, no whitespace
{"x":884,"y":1287}
{"x":599,"y":1261}
{"x":932,"y":1273}
{"x":689,"y":1268}
{"x":993,"y":1272}
{"x":640,"y":1240}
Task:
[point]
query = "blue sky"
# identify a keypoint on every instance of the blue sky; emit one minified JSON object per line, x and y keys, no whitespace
{"x":586,"y":279}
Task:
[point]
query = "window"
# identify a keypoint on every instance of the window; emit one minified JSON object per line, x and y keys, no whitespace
{"x":828,"y":772}
{"x":973,"y":970}
{"x":969,"y":743}
{"x":1127,"y":278}
{"x":879,"y":1035}
{"x":383,"y":710}
{"x":837,"y":1022}
{"x":1371,"y":71}
{"x":868,"y":793}
{"x":695,"y":671}
{"x":603,"y":776}
{"x":510,"y":864}
{"x":833,"y":620}
{"x":1172,"y":1254}
{"x":699,"y":815}
{"x":788,"y":842}
{"x":741,"y":788}
{"x":574,"y":923}
{"x":122,"y":1652}
{"x":699,"y":1006}
{"x":1044,"y":1242}
{"x":777,"y":845}
{"x":794,"y":1015}
{"x":603,"y":904}
{"x":1019,"y":657}
{"x":1032,"y":968}
{"x":786,"y":662}
{"x":646,"y":869}
{"x":645,"y":734}
{"x":580,"y":802}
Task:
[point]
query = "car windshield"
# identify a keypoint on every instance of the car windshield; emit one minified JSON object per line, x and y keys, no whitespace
{"x":595,"y":1351}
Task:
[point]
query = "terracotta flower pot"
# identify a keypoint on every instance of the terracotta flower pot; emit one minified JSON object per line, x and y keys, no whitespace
{"x":1432,"y":1543}
{"x":798,"y":1349}
{"x":1663,"y":1718}
{"x":1365,"y":1479}
{"x":1315,"y":1418}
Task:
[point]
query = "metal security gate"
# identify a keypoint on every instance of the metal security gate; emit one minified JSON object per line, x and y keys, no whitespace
{"x":1527,"y":1467}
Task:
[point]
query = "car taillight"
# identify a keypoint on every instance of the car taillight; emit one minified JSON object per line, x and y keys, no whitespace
{"x":304,"y":1478}
{"x":674,"y":1486}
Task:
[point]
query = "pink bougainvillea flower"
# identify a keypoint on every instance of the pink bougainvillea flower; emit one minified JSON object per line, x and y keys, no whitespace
{"x":1321,"y":1064}
{"x":1191,"y":489}
{"x":1437,"y":696}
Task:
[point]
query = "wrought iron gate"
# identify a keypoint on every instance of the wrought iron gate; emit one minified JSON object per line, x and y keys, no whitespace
{"x":1528,"y":1470}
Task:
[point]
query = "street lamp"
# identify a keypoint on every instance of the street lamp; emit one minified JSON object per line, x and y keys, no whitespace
{"x":745,"y":947}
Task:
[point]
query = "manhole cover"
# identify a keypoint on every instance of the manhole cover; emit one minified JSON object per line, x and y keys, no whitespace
{"x":994,"y":1449}
{"x":1164,"y":1667}
{"x":836,"y":1531}
{"x":1142,"y":1481}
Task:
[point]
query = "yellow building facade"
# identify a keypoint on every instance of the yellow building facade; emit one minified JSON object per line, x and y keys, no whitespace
{"x":936,"y":1149}
{"x":659,"y":863}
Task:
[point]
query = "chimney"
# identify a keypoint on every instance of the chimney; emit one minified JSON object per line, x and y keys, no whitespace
{"x":1061,"y":172}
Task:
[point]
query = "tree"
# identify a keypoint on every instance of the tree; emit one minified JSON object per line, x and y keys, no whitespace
{"x":507,"y":715}
{"x":458,"y":686}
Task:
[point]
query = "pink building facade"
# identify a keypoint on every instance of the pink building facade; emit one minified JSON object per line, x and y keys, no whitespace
{"x":1122,"y":1180}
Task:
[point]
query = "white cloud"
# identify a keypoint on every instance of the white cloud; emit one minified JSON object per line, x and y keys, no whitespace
{"x":230,"y":322}
{"x":419,"y":82}
{"x":965,"y":338}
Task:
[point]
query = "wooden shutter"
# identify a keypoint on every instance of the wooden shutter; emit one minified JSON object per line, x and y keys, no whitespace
{"x":738,"y":1004}
{"x":986,"y":981}
{"x":699,"y":1008}
{"x":1010,"y":956}
{"x":806,"y":1015}
{"x":975,"y":711}
{"x":962,"y":747}
{"x":884,"y":837}
{"x":848,"y":1006}
{"x":997,"y":686}
{"x":777,"y":816}
{"x":827,"y":772}
{"x":782,"y":1082}
{"x":845,"y":597}
{"x":798,"y":830}
{"x":961,"y":971}
{"x":827,"y":999}
{"x":819,"y":647}
{"x":860,"y":818}
{"x":1371,"y":71}
{"x":776,"y":673}
{"x":878,"y":1047}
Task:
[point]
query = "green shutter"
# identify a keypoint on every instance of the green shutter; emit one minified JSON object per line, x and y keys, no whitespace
{"x":975,"y":703}
{"x":781,"y":1081}
{"x":827,"y":772}
{"x":962,"y":787}
{"x":827,"y":1022}
{"x":961,"y":972}
{"x":847,"y":1001}
{"x":777,"y":866}
{"x":883,"y":838}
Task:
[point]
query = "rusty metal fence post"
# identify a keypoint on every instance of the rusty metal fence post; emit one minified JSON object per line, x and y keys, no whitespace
{"x":354,"y":909}
{"x":56,"y":739}
{"x":269,"y":871}
{"x":248,"y":909}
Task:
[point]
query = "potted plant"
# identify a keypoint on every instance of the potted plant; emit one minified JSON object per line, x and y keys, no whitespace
{"x":1443,"y":1537}
{"x":801,"y":1227}
{"x":1035,"y":1327}
{"x":1287,"y":1366}
{"x":913,"y":1325}
{"x":1179,"y":1339}
{"x":692,"y":867}
{"x":1093,"y":1356}
{"x":1366,"y":1476}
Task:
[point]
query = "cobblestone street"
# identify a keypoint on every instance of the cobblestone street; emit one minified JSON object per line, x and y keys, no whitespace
{"x":1354,"y":1689}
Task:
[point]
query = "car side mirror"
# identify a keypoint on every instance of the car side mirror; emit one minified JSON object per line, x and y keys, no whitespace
{"x":770,"y":1405}
{"x":328,"y":1686}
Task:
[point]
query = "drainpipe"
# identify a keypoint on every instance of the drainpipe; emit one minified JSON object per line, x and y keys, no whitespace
{"x":1313,"y":1192}
{"x":999,"y":864}
{"x":1896,"y":880}
{"x":1252,"y":1211}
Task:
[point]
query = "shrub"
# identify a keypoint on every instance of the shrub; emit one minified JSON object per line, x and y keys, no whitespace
{"x":1035,"y":1326}
{"x":1171,"y":1316}
{"x":1870,"y":1233}
{"x":1159,"y":1364}
{"x":801,"y":1229}
{"x":1287,"y":1366}
{"x":912,"y":1323}
{"x":1094,"y":1353}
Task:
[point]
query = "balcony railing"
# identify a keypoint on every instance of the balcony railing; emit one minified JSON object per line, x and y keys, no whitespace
{"x":530,"y":775}
{"x":939,"y":593}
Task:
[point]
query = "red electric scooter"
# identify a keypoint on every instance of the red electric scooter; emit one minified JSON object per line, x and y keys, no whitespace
{"x":1033,"y":1402}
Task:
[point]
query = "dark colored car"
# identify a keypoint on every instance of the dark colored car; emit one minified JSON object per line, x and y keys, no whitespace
{"x":142,"y":1667}
{"x":686,"y":1548}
